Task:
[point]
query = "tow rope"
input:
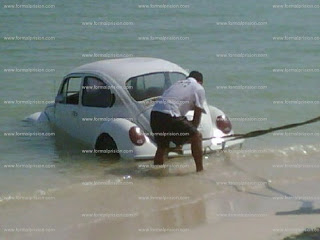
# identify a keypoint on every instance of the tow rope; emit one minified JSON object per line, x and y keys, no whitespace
{"x":266,"y":131}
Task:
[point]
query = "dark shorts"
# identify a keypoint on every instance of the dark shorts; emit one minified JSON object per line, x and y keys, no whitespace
{"x":168,"y":129}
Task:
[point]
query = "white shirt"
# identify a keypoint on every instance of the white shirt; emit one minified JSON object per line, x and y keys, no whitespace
{"x":181,"y":97}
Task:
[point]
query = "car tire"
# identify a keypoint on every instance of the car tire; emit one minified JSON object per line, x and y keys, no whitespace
{"x":107,"y":146}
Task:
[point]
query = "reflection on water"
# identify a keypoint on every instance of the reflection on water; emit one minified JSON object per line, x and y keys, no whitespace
{"x":179,"y":218}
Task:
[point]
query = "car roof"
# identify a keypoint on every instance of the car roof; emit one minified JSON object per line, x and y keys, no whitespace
{"x":124,"y":68}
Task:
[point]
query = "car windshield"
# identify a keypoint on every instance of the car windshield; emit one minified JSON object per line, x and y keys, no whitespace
{"x":152,"y":85}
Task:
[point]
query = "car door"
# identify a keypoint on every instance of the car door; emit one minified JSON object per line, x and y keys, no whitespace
{"x":96,"y":107}
{"x":67,"y":105}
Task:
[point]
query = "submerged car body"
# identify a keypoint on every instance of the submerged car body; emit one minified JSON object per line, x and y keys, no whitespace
{"x":107,"y":105}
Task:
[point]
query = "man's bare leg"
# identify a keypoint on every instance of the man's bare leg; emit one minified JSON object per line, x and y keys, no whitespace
{"x":196,"y":148}
{"x":160,"y":156}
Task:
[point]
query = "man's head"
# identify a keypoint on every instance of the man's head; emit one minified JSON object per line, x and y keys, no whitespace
{"x":197,"y":76}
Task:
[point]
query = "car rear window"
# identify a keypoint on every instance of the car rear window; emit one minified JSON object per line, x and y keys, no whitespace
{"x":152,"y":85}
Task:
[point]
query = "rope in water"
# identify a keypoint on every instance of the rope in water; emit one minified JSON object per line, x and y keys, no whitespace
{"x":266,"y":131}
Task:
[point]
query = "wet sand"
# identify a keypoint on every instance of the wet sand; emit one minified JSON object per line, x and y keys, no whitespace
{"x":226,"y":201}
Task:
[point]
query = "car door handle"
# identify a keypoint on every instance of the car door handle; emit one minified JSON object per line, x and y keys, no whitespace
{"x":74,"y":113}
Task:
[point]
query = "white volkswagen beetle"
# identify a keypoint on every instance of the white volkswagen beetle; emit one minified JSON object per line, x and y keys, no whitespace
{"x":107,"y":105}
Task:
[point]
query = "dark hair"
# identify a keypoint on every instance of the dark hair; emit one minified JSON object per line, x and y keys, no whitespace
{"x":196,"y":75}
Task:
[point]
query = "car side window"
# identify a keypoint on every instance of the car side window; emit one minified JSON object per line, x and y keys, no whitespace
{"x":95,"y":93}
{"x":70,"y":90}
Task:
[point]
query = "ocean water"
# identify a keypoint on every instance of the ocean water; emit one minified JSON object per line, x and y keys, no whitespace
{"x":204,"y":44}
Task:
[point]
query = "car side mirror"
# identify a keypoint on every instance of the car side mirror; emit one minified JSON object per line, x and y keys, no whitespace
{"x":59,"y":98}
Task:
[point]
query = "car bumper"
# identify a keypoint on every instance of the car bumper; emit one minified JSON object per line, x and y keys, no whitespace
{"x":209,"y":146}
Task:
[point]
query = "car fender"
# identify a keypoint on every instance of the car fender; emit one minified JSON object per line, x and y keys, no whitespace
{"x":215,"y":112}
{"x":118,"y":129}
{"x":38,"y":117}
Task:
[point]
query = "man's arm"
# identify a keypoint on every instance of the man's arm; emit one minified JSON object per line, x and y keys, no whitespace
{"x":196,"y":116}
{"x":199,"y":99}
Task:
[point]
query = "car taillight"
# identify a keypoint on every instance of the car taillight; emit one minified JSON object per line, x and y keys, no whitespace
{"x":224,"y":124}
{"x":137,"y":136}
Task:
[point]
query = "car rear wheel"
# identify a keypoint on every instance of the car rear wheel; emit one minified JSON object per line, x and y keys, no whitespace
{"x":106,"y":146}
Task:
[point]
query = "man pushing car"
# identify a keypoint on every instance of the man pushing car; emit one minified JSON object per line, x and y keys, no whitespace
{"x":168,"y":120}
